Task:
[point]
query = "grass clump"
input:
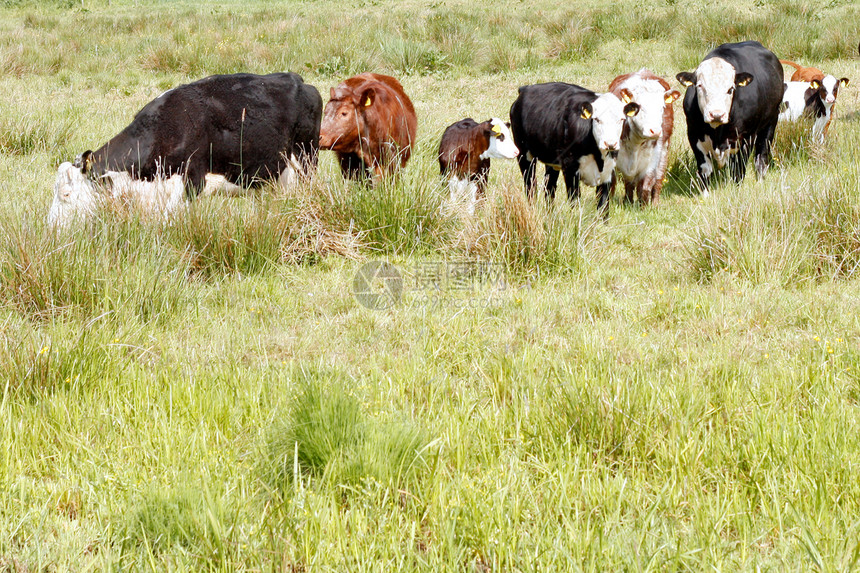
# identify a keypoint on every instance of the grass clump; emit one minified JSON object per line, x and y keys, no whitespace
{"x":187,"y":521}
{"x":327,"y":436}
{"x":528,"y":237}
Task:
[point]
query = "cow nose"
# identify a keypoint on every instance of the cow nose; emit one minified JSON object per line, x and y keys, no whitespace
{"x":612,"y":146}
{"x":718,"y":116}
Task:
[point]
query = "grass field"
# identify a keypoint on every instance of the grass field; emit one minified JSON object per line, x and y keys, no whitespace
{"x":675,"y":389}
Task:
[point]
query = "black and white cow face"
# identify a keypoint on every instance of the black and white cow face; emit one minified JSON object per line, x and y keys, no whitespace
{"x":716,"y":81}
{"x":608,"y":114}
{"x":828,"y":88}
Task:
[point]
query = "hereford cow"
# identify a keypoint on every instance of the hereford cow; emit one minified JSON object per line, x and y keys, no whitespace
{"x":570,"y":129}
{"x":246,"y":127}
{"x":465,"y":152}
{"x":732,"y":105}
{"x":644,"y":152}
{"x":370,"y":124}
{"x":811,"y":93}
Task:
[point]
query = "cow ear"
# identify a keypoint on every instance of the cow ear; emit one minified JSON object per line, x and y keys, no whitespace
{"x":626,"y":96}
{"x":686,"y":79}
{"x":331,"y":93}
{"x":84,"y":161}
{"x":586,"y":111}
{"x":843,"y":82}
{"x":743,"y":79}
{"x":631,"y":109}
{"x":815,"y":84}
{"x":367,"y":98}
{"x":671,"y":96}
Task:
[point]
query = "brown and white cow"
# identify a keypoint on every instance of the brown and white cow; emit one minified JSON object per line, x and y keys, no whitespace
{"x":811,"y":92}
{"x":370,"y":124}
{"x":644,"y":152}
{"x":464,"y":156}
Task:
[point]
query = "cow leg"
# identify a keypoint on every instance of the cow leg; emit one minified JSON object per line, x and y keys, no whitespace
{"x":763,"y":142}
{"x":528,"y":167}
{"x":738,"y":161}
{"x":704,"y":166}
{"x":352,"y":167}
{"x":631,"y":189}
{"x":551,"y":182}
{"x":603,"y":199}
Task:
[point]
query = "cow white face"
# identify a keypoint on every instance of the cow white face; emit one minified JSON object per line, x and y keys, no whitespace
{"x":502,"y":144}
{"x":608,"y":114}
{"x":716,"y":81}
{"x":652,"y":98}
{"x":74,"y":196}
{"x":828,"y":88}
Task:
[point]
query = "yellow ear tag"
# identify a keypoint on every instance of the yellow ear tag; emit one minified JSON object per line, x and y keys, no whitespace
{"x":625,"y":97}
{"x":843,"y":82}
{"x":367,"y":102}
{"x":814,"y":84}
{"x":742,"y":83}
{"x":585,"y":114}
{"x":631,"y":112}
{"x":668,"y":98}
{"x":497,"y":129}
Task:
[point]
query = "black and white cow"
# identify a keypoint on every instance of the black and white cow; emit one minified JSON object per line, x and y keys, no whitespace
{"x":570,"y":129}
{"x":246,"y":128}
{"x":732,"y":105}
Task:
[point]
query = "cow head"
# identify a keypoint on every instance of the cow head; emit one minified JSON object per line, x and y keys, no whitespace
{"x":716,"y":81}
{"x":74,"y":196}
{"x":339,"y":130}
{"x":652,"y":98}
{"x":608,"y":114}
{"x":501,"y":141}
{"x":828,"y":88}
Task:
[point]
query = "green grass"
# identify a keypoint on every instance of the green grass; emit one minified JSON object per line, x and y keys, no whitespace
{"x":677,"y":388}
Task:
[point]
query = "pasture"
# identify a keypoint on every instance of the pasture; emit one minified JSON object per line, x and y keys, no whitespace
{"x":677,"y":388}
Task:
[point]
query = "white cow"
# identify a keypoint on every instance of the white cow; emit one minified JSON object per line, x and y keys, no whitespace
{"x":76,"y":196}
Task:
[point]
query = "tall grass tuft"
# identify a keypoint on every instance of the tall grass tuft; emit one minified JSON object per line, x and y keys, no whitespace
{"x":45,"y":274}
{"x":249,"y":236}
{"x":326,"y":435}
{"x":188,"y":519}
{"x":799,"y":230}
{"x":527,"y":237}
{"x":399,"y":215}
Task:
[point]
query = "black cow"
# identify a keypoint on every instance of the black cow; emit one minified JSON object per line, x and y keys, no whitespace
{"x":732,"y":104}
{"x":570,"y":129}
{"x":245,"y":127}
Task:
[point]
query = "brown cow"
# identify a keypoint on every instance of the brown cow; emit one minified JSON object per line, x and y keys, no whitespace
{"x":370,"y":124}
{"x":644,"y":152}
{"x":465,"y":152}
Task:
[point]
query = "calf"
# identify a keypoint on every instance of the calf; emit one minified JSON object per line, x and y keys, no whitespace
{"x":370,"y":124}
{"x":246,"y":127}
{"x":570,"y":129}
{"x":465,"y":152}
{"x":644,"y":152}
{"x":732,"y":105}
{"x":812,"y":93}
{"x":75,"y":194}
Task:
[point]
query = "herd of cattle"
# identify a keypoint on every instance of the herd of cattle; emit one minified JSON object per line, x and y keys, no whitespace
{"x":226,"y":132}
